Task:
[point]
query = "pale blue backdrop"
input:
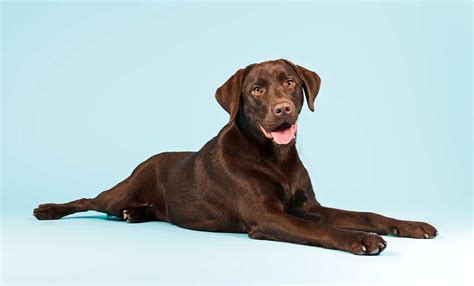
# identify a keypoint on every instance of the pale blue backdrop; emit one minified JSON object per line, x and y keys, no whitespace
{"x":89,"y":90}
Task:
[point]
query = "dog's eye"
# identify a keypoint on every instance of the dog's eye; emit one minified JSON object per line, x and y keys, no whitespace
{"x":289,"y":83}
{"x":258,"y":90}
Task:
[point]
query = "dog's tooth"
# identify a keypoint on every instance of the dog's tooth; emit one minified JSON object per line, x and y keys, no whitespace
{"x":364,"y":249}
{"x":426,"y":235}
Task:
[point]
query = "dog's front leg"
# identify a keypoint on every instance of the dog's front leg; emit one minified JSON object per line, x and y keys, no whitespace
{"x":371,"y":222}
{"x":280,"y":226}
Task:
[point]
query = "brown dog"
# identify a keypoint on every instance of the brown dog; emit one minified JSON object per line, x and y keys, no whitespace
{"x":248,"y":178}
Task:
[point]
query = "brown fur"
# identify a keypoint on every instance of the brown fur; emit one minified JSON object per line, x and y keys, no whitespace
{"x":241,"y":181}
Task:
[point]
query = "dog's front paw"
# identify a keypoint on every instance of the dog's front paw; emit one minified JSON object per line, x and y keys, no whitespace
{"x":412,"y":229}
{"x":363,"y":243}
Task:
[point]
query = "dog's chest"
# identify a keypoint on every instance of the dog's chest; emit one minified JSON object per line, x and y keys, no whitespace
{"x":289,"y":188}
{"x":291,"y":197}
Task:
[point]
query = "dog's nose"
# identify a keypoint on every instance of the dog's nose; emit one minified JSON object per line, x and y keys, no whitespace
{"x":281,"y":109}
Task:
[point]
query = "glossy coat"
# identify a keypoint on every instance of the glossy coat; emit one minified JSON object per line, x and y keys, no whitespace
{"x":242,"y":181}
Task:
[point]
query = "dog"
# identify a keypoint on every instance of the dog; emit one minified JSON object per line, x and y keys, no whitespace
{"x":247,"y":179}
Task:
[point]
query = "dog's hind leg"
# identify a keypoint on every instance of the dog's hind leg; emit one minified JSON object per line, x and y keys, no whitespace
{"x":131,"y":195}
{"x":115,"y":202}
{"x":57,"y":211}
{"x":138,"y":195}
{"x":106,"y":202}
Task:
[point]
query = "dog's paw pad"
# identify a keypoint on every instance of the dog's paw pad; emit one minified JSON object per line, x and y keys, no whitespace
{"x":135,"y":215}
{"x":126,"y":216}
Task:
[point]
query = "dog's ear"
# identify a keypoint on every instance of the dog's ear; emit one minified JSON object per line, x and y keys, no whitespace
{"x":228,"y":94}
{"x":311,"y":83}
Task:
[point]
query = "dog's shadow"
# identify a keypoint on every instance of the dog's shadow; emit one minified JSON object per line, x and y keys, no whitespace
{"x":386,"y":253}
{"x":99,"y":217}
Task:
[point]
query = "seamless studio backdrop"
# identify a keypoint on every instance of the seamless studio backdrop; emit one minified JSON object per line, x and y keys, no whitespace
{"x":90,"y":90}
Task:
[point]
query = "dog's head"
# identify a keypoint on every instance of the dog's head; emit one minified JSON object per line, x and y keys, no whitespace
{"x":266,"y":98}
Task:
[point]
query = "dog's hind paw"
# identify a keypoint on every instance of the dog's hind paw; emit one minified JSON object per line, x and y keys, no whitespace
{"x":135,"y":215}
{"x":49,"y":211}
{"x":126,"y":216}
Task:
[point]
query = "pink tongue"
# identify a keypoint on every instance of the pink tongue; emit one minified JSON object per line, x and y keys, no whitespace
{"x":284,"y":136}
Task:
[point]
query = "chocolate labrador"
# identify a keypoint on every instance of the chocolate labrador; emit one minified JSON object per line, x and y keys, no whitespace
{"x":249,"y":177}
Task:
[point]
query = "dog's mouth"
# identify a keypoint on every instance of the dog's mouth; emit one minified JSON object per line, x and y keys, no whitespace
{"x":284,"y":134}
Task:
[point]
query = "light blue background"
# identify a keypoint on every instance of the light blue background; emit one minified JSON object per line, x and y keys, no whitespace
{"x":89,"y":90}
